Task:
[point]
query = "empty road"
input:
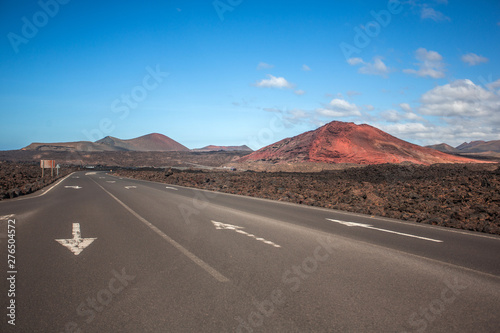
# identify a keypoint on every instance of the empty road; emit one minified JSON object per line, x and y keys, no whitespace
{"x":99,"y":253}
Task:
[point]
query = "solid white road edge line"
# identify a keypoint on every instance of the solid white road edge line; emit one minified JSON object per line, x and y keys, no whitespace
{"x":209,"y":269}
{"x":362,"y":225}
{"x":37,"y":196}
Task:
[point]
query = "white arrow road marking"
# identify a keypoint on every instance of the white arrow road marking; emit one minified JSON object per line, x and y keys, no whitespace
{"x":75,"y":187}
{"x":77,"y":244}
{"x":220,"y":225}
{"x":110,"y":181}
{"x":171,"y":188}
{"x":368,"y":226}
{"x":129,"y":187}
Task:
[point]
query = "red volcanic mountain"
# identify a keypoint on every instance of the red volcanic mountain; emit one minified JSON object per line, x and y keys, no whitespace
{"x":150,"y":142}
{"x":339,"y":142}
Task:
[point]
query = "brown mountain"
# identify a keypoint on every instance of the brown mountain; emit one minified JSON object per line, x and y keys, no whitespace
{"x":479,"y":146}
{"x":225,"y":148}
{"x":86,"y":146}
{"x":445,"y":148}
{"x":150,"y":142}
{"x":339,"y":142}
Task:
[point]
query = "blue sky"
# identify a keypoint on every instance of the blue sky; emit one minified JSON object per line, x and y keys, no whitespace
{"x":232,"y":72}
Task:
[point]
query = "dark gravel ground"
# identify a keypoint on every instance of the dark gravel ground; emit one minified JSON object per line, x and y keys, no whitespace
{"x":453,"y":195}
{"x":23,"y":178}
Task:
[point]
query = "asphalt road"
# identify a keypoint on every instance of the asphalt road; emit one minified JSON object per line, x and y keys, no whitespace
{"x":136,"y":256}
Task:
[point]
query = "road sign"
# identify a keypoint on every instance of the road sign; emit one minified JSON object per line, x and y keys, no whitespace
{"x":45,"y":164}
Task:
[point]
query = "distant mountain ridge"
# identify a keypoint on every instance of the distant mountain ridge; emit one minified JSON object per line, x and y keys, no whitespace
{"x":340,"y":142}
{"x":149,"y":142}
{"x":224,"y":148}
{"x":470,"y":147}
{"x":445,"y":148}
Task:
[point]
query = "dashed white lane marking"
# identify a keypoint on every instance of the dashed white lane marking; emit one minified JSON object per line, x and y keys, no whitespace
{"x":224,"y":226}
{"x":209,"y":269}
{"x":368,"y":226}
{"x":171,"y":188}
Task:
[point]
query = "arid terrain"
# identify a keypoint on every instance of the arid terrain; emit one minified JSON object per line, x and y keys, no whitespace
{"x":343,"y":166}
{"x":24,"y":178}
{"x":126,"y":158}
{"x":462,"y":196}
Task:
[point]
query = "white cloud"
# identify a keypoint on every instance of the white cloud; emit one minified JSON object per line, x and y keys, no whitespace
{"x":408,"y":128}
{"x":274,"y":82}
{"x":354,"y":61}
{"x":339,"y":108}
{"x":369,"y":107}
{"x":494,"y":85}
{"x":299,"y":92}
{"x":473,"y":59}
{"x":430,"y":64}
{"x":466,"y":112}
{"x":460,"y":98}
{"x":263,"y":65}
{"x":432,"y":14}
{"x":461,"y":111}
{"x":391,"y":116}
{"x":405,"y":106}
{"x":394,"y":116}
{"x":428,"y":133}
{"x":306,"y":68}
{"x":377,"y":67}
